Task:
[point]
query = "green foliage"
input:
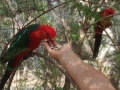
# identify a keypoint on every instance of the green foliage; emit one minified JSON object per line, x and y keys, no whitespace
{"x":4,"y":11}
{"x":59,"y":88}
{"x":116,"y":55}
{"x":69,"y":20}
{"x":74,"y":31}
{"x":115,"y":5}
{"x":84,"y":10}
{"x":33,"y":5}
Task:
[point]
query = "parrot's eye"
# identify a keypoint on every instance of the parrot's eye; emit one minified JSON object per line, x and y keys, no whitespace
{"x":47,"y":33}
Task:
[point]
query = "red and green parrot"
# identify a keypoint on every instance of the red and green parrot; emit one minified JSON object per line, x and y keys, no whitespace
{"x":104,"y":22}
{"x":27,"y":40}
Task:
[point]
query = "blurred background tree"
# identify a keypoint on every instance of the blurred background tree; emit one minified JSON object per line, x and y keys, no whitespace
{"x":74,"y":21}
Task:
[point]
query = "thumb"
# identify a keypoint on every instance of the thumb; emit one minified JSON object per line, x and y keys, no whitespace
{"x":47,"y":46}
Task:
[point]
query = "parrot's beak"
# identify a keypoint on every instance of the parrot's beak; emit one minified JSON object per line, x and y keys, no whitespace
{"x":53,"y":41}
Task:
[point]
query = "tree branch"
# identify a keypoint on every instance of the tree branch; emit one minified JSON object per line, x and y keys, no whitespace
{"x":59,"y":67}
{"x":46,"y":12}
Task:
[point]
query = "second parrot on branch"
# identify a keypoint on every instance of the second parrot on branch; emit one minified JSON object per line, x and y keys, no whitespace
{"x":104,"y":22}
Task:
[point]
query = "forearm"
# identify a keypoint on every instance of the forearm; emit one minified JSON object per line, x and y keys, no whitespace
{"x":85,"y":76}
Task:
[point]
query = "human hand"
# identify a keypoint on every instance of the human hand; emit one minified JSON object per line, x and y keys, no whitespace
{"x":57,"y":54}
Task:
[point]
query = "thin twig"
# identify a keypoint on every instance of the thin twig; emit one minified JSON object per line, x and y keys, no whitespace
{"x":27,"y":18}
{"x":46,"y":12}
{"x":111,"y":39}
{"x":100,"y":19}
{"x":63,"y":23}
{"x":11,"y":12}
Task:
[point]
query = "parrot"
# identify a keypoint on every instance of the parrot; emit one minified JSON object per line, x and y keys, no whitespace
{"x":103,"y":23}
{"x":25,"y":41}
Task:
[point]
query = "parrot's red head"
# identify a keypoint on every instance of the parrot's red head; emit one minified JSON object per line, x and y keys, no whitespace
{"x":107,"y":12}
{"x":48,"y":33}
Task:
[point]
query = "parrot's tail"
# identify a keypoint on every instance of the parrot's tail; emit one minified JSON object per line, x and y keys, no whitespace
{"x":97,"y":45}
{"x":4,"y":79}
{"x":7,"y":74}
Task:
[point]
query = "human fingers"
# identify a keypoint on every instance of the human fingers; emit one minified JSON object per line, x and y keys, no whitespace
{"x":47,"y":46}
{"x":52,"y":52}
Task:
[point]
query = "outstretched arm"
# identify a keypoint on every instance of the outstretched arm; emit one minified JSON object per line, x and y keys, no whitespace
{"x":85,"y":76}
